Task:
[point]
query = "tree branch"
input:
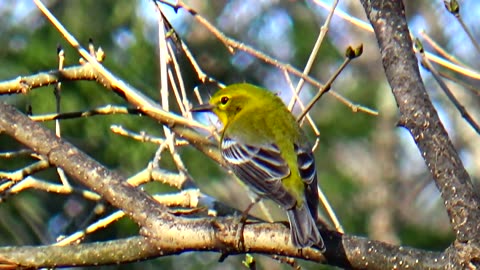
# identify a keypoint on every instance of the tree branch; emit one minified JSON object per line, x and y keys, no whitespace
{"x":420,"y":118}
{"x":168,"y":232}
{"x":258,"y":239}
{"x":183,"y":127}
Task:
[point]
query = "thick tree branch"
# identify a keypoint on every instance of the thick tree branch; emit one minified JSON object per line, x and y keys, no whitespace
{"x":258,"y":239}
{"x":418,"y":115}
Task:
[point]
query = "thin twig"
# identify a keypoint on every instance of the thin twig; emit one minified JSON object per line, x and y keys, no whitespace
{"x":367,"y":27}
{"x":186,"y":198}
{"x":37,"y":184}
{"x":164,"y":58}
{"x":469,"y":33}
{"x":58,"y":96}
{"x":104,"y":110}
{"x":143,"y":136}
{"x":182,"y":126}
{"x":300,"y":103}
{"x":132,"y":95}
{"x":313,"y":54}
{"x":323,"y":89}
{"x":99,"y":224}
{"x":19,"y":175}
{"x":181,"y":96}
{"x":453,"y":6}
{"x":470,"y":87}
{"x":446,"y":90}
{"x":440,"y":50}
{"x":232,"y":44}
{"x":329,"y":209}
{"x":12,"y":154}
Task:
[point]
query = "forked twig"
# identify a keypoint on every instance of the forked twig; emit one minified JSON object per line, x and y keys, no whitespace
{"x":465,"y":114}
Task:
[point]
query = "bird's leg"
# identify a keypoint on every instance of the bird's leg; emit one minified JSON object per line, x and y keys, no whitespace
{"x":243,"y":220}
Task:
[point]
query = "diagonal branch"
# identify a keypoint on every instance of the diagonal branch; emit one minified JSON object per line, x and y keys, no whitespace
{"x":111,"y":185}
{"x":258,"y":239}
{"x":418,"y":115}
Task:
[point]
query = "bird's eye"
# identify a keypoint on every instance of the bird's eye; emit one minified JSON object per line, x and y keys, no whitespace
{"x":224,"y":100}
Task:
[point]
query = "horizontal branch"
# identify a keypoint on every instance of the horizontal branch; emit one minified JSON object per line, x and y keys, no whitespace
{"x":344,"y":251}
{"x":23,"y":84}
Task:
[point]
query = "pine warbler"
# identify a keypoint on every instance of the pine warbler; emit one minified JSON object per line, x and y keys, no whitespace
{"x":266,"y":148}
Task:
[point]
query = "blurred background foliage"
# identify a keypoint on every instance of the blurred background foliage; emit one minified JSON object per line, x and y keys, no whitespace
{"x":370,"y":169}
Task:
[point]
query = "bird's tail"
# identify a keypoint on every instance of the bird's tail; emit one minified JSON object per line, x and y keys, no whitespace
{"x":304,"y":231}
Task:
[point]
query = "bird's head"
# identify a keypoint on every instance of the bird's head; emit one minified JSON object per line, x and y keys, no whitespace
{"x":228,"y":102}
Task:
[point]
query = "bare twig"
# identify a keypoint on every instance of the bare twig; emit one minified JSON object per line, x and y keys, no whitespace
{"x":300,"y":103}
{"x":135,"y":97}
{"x":350,"y":54}
{"x":367,"y":27}
{"x":58,"y":97}
{"x":104,"y":110}
{"x":453,"y":6}
{"x":142,"y":136}
{"x":35,"y":183}
{"x":19,"y":175}
{"x":11,"y":154}
{"x":460,"y":82}
{"x":182,"y":126}
{"x":440,"y":50}
{"x":233,"y":45}
{"x":465,"y":114}
{"x":329,"y":209}
{"x":313,"y":54}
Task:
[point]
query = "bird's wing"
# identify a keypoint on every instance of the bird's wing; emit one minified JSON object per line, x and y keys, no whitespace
{"x":308,"y":172}
{"x":261,"y":167}
{"x":306,"y":163}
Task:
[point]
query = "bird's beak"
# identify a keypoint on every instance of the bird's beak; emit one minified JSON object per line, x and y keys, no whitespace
{"x":207,"y":107}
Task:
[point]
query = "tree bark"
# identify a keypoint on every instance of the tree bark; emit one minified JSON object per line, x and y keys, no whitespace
{"x":419,"y":117}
